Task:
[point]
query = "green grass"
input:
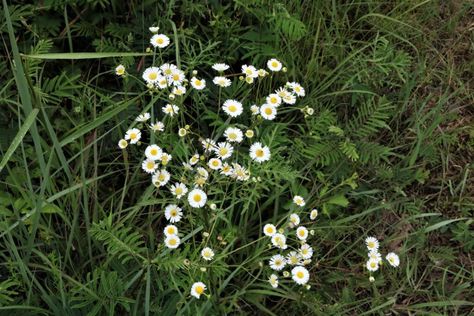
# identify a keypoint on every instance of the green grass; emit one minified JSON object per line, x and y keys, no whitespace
{"x":388,"y":153}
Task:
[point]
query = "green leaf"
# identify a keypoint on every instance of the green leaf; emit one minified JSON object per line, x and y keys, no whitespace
{"x":338,"y":200}
{"x":85,"y":55}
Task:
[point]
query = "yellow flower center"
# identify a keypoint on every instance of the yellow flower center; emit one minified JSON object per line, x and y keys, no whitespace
{"x":232,"y":108}
{"x":215,"y":163}
{"x":199,"y":289}
{"x":300,"y":274}
{"x":273,"y":100}
{"x":197,"y":198}
{"x":160,"y":41}
{"x":371,"y":244}
{"x":233,"y":136}
{"x":268,"y":111}
{"x":259,"y":153}
{"x":120,"y":71}
{"x":297,"y":89}
{"x":198,"y":82}
{"x":173,"y":213}
{"x":301,"y":233}
{"x":172,"y":242}
{"x":150,"y":165}
{"x":223,"y":151}
{"x":179,"y":190}
{"x":274,"y":64}
{"x":161,"y":177}
{"x":304,"y":251}
{"x":248,"y":71}
{"x":294,"y":260}
{"x":154,"y":152}
{"x":170,"y":231}
{"x":373,"y":265}
{"x":175,"y":77}
{"x":270,"y":230}
{"x":391,"y":259}
{"x":153,"y":76}
{"x":133,"y":136}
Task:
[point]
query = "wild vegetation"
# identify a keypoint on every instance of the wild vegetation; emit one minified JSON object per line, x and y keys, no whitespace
{"x":380,"y":143}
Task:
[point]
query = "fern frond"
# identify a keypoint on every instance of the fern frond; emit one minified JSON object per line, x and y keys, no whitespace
{"x":371,"y":117}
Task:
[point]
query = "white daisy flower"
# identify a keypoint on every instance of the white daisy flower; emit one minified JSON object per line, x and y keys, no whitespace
{"x":170,"y":230}
{"x":255,"y":109}
{"x":151,"y":74}
{"x":300,"y":275}
{"x":249,"y":133}
{"x":240,"y":173}
{"x":161,"y":82}
{"x":133,"y":135}
{"x":177,"y":77}
{"x":157,"y":127}
{"x":375,"y":255}
{"x":198,"y":289}
{"x":215,"y":163}
{"x":297,"y":88}
{"x":170,"y":109}
{"x":172,"y":241}
{"x":273,"y":280}
{"x":313,"y":214}
{"x":302,"y":233}
{"x":306,"y":251}
{"x":372,"y":265}
{"x":299,"y":200}
{"x":173,"y":213}
{"x":120,"y":70}
{"x":232,"y":108}
{"x":262,"y":72}
{"x":160,"y":40}
{"x":268,"y":111}
{"x":208,"y":145}
{"x":165,"y":158}
{"x":202,"y":172}
{"x":295,"y":219}
{"x":197,"y":198}
{"x":372,"y":243}
{"x":277,"y":262}
{"x":259,"y":153}
{"x":274,"y":65}
{"x":249,"y":80}
{"x":282,"y":92}
{"x":222,"y":81}
{"x":168,"y":69}
{"x":149,"y":166}
{"x":233,"y":134}
{"x":393,"y":259}
{"x":224,"y":150}
{"x":153,"y":152}
{"x":273,"y":99}
{"x":179,"y":190}
{"x":194,"y":159}
{"x":227,"y":170}
{"x":122,"y":144}
{"x":279,"y":241}
{"x":289,"y":99}
{"x":179,"y":90}
{"x":269,"y":230}
{"x":143,"y":117}
{"x":293,"y":258}
{"x":160,"y":178}
{"x":154,"y":29}
{"x":220,"y":67}
{"x":207,"y":254}
{"x":250,"y":71}
{"x":198,"y":84}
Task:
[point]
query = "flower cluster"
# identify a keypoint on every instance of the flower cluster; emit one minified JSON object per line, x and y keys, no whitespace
{"x":375,"y":257}
{"x":228,"y":152}
{"x":295,"y":257}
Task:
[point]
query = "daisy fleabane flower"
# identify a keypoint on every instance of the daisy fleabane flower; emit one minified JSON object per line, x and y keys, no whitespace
{"x":220,"y":67}
{"x":197,"y":289}
{"x":215,"y":163}
{"x":268,"y":111}
{"x":277,"y":262}
{"x":157,"y":127}
{"x":233,"y":134}
{"x":273,"y":280}
{"x":393,"y":259}
{"x":149,"y":166}
{"x":274,"y":64}
{"x":306,"y":251}
{"x":208,"y":145}
{"x":222,"y":81}
{"x":250,"y":71}
{"x":179,"y":190}
{"x":372,"y":265}
{"x":293,"y":258}
{"x":279,"y":241}
{"x":224,"y":150}
{"x":299,"y":200}
{"x":273,"y":99}
{"x":313,"y":214}
{"x":170,"y":230}
{"x":122,"y":144}
{"x":232,"y":108}
{"x":207,"y":254}
{"x":302,"y":233}
{"x":161,"y":178}
{"x":151,"y":74}
{"x":254,"y":109}
{"x":372,"y":243}
{"x":120,"y":70}
{"x":374,"y":254}
{"x":172,"y":241}
{"x":160,"y":40}
{"x":178,"y":90}
{"x":294,"y":219}
{"x":153,"y":152}
{"x":269,"y":230}
{"x":165,"y":158}
{"x":259,"y":152}
{"x":143,"y":117}
{"x":297,"y":88}
{"x":198,"y":84}
{"x":176,"y":77}
{"x":173,"y":213}
{"x":300,"y":275}
{"x":170,"y":109}
{"x":133,"y":135}
{"x":197,"y":198}
{"x":289,"y":99}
